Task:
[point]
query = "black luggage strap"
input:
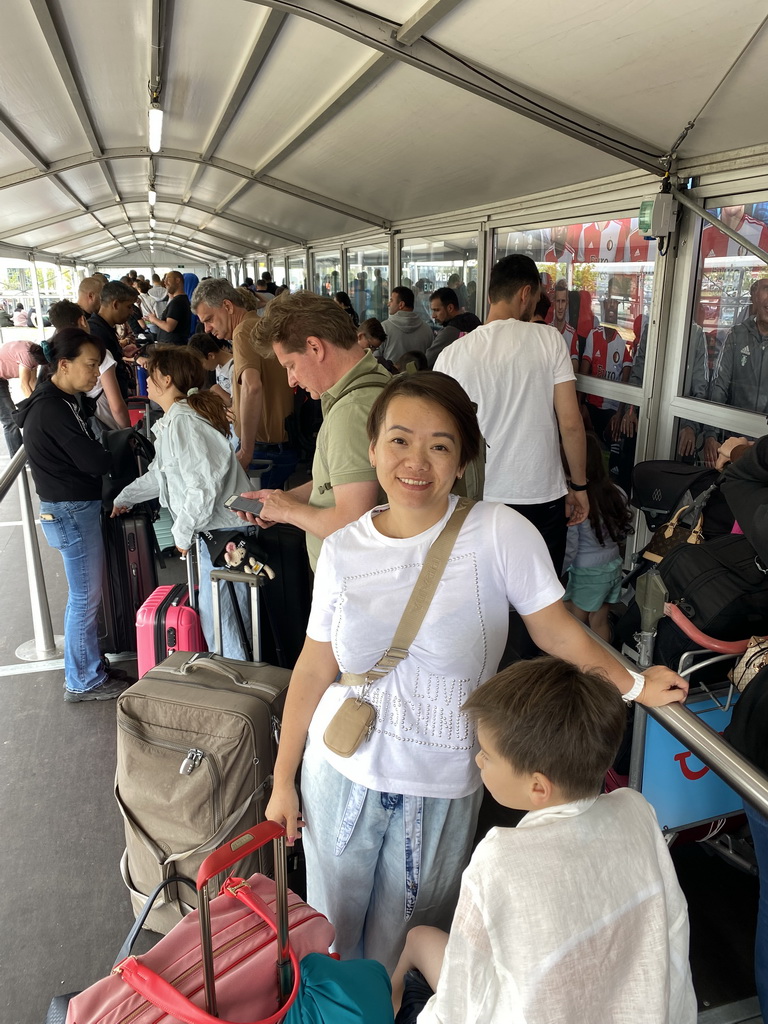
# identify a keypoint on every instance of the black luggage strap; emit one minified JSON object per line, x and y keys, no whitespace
{"x":138,"y":924}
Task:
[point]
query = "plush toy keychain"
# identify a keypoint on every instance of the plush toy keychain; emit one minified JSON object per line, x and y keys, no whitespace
{"x":246,"y":556}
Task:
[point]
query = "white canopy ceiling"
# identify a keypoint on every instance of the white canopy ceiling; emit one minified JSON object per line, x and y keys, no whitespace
{"x":292,"y":121}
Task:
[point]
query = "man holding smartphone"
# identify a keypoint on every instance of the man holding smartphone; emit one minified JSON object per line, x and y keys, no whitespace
{"x":316,"y":342}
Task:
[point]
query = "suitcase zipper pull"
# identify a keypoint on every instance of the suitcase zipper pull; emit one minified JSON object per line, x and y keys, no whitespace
{"x":191,"y":761}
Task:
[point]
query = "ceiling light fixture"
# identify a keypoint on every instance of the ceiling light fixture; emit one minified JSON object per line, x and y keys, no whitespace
{"x":155,"y":118}
{"x":155,"y":128}
{"x":151,"y":194}
{"x":152,"y":222}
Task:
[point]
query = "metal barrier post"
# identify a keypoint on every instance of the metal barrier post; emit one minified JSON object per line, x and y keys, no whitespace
{"x":45,"y":645}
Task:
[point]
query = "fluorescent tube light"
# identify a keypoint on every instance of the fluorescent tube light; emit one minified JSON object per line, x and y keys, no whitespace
{"x":155,"y":127}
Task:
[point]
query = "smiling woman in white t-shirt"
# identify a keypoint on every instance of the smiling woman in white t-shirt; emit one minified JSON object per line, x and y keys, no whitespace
{"x":388,"y":831}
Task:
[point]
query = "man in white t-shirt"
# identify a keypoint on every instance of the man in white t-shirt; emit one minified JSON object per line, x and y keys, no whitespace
{"x":521,"y":378}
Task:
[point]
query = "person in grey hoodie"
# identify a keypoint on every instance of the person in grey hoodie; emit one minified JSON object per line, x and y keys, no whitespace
{"x":452,"y":320}
{"x":405,"y":329}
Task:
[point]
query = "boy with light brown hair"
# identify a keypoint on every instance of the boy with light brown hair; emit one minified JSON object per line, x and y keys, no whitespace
{"x":576,"y":914}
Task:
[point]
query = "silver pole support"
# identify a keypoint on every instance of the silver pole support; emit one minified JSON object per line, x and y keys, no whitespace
{"x":745,"y":243}
{"x":45,"y":645}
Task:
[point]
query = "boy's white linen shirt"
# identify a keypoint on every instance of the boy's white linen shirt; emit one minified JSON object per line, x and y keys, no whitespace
{"x":422,"y":744}
{"x":193,"y":473}
{"x":575,"y":915}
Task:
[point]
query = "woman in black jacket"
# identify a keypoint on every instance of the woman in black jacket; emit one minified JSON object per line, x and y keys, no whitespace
{"x":67,"y":465}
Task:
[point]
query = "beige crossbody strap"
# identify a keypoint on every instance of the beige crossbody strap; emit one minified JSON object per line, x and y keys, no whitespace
{"x":423,"y":592}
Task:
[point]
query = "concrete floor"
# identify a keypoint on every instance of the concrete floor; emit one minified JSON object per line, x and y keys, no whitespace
{"x":63,"y":909}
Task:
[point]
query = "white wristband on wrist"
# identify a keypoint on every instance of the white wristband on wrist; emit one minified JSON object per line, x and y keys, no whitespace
{"x":637,"y":688}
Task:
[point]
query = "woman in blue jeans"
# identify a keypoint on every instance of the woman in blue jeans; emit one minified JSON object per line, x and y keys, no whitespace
{"x":67,"y":464}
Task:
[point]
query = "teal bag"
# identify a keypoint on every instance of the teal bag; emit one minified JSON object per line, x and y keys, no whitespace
{"x":341,"y":992}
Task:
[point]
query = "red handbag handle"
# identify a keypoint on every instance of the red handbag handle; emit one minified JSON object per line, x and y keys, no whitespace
{"x":236,"y":849}
{"x":165,"y":997}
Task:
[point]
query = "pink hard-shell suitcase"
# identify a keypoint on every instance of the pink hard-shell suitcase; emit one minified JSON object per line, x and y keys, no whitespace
{"x":168,"y":622}
{"x":218,"y":964}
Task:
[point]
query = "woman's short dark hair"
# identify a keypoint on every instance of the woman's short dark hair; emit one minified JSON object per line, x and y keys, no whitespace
{"x":68,"y":343}
{"x":442,"y":390}
{"x":343,"y":300}
{"x":373,"y":329}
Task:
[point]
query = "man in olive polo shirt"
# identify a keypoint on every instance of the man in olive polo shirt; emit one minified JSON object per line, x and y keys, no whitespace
{"x":261,"y":395}
{"x":316,"y":342}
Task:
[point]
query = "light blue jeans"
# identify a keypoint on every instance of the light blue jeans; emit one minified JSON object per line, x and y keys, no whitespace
{"x":759,"y":828}
{"x":74,"y":529}
{"x":360,"y":852}
{"x":230,"y":636}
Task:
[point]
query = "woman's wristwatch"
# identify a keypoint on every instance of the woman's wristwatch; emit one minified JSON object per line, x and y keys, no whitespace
{"x":637,"y":688}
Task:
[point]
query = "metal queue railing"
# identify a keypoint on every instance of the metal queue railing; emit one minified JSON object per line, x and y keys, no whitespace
{"x":732,"y":767}
{"x":44,"y":645}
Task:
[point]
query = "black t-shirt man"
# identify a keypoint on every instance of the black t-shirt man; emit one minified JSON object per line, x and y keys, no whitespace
{"x":178,"y":309}
{"x":106,"y":333}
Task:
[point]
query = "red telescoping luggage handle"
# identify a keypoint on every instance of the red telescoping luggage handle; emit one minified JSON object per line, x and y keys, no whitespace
{"x":162,"y":994}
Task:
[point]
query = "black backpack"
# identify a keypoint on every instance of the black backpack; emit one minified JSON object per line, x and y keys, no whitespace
{"x":721,"y":585}
{"x":660,"y":487}
{"x":131,"y":454}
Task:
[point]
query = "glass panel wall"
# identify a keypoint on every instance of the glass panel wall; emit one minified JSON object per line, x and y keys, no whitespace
{"x":450,"y":261}
{"x":279,"y":274}
{"x":368,"y":281}
{"x":326,"y":273}
{"x":297,"y":272}
{"x":726,"y":359}
{"x":597,"y":286}
{"x":16,"y":288}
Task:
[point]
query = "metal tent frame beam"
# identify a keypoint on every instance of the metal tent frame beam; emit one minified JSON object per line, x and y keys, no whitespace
{"x":382,"y":34}
{"x":251,"y":225}
{"x":424,"y":19}
{"x":261,"y":50}
{"x":237,"y":170}
{"x":66,"y":68}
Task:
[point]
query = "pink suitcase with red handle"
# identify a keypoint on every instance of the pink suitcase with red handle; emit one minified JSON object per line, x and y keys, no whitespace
{"x":219,"y":963}
{"x":168,"y":622}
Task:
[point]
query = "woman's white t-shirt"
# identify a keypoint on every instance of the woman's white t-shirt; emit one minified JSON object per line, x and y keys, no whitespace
{"x":422,"y":744}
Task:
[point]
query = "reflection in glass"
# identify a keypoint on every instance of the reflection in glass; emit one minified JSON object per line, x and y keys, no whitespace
{"x":599,"y":279}
{"x":726,"y":358}
{"x":368,"y":281}
{"x":326,"y":275}
{"x":297,"y":272}
{"x":429,"y":264}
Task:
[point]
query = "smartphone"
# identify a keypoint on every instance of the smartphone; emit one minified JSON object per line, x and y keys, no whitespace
{"x":240,"y":504}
